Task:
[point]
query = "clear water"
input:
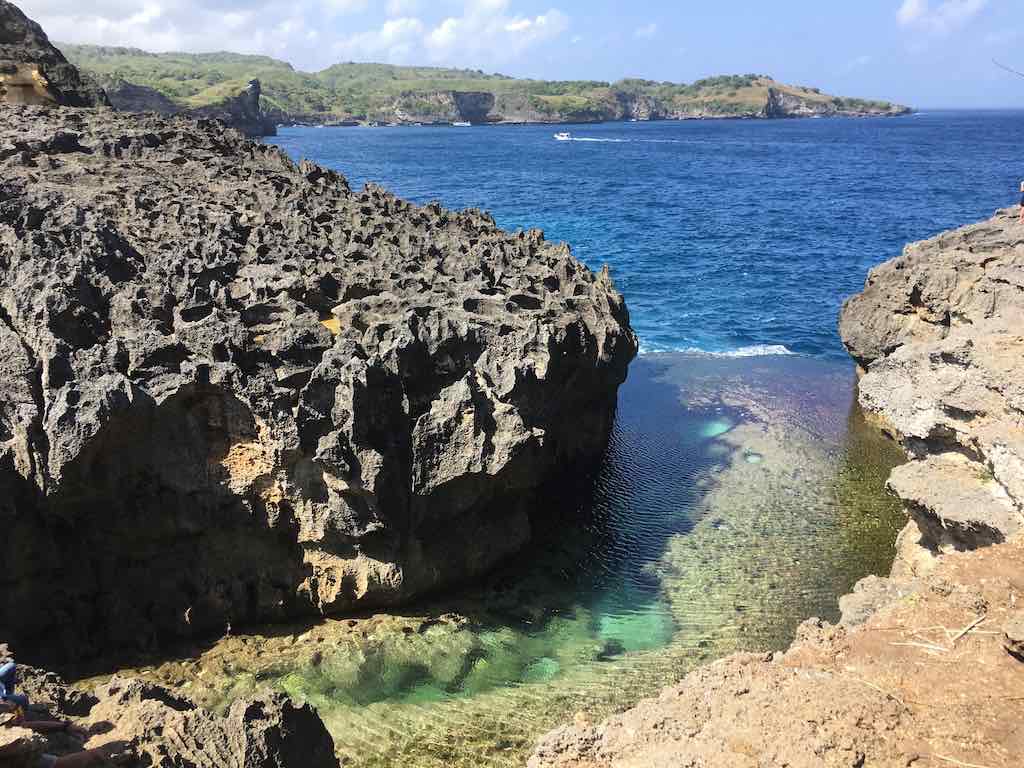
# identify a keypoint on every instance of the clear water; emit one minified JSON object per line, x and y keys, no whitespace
{"x":741,"y":491}
{"x":680,"y":550}
{"x":723,"y":235}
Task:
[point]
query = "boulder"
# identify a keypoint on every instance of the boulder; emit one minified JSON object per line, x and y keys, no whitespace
{"x":234,"y":390}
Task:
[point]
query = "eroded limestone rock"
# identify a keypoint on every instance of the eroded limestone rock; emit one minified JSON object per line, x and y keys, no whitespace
{"x":939,"y":332}
{"x":234,"y":390}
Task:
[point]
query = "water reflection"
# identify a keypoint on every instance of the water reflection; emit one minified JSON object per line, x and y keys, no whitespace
{"x":736,"y":498}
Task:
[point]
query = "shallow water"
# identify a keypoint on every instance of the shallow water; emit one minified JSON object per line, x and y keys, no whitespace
{"x":737,"y":497}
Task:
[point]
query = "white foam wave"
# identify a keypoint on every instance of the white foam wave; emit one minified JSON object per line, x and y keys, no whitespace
{"x":755,"y":350}
{"x":626,"y":141}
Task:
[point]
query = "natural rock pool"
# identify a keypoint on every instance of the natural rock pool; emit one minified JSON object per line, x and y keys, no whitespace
{"x":738,"y":497}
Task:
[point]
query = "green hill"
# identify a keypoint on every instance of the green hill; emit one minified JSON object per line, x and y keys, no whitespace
{"x":389,"y":93}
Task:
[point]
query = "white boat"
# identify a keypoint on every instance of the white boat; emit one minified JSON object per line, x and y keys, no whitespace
{"x":463,"y":125}
{"x":563,"y":136}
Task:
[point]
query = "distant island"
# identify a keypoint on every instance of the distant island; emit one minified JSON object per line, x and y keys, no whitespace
{"x":353,"y":93}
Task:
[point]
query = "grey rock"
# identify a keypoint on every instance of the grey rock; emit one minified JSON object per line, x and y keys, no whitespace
{"x":869,"y":596}
{"x":166,"y":730}
{"x":234,"y":390}
{"x":956,"y":502}
{"x":939,"y":335}
{"x":32,"y":71}
{"x":129,"y":97}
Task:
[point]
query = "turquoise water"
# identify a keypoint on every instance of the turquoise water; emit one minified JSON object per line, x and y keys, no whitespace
{"x":723,"y":235}
{"x":738,"y":496}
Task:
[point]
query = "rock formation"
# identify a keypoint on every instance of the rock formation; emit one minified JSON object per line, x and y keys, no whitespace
{"x":129,"y":97}
{"x":158,"y":728}
{"x":444,"y":107}
{"x":927,"y":664}
{"x":233,"y":390}
{"x":243,"y":112}
{"x":939,"y":334}
{"x":32,"y":71}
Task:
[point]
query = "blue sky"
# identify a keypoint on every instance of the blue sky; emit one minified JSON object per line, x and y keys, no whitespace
{"x":927,"y":53}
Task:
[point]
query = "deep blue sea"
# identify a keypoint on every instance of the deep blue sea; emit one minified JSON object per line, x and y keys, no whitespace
{"x":723,"y":235}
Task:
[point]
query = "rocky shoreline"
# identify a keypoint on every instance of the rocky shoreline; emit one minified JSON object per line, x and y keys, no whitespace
{"x":925,"y":666}
{"x":254,"y":394}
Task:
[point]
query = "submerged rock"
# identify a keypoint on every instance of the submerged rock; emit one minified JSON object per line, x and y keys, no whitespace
{"x":233,"y":390}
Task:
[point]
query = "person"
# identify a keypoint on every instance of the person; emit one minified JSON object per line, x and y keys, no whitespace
{"x":1022,"y":202}
{"x":24,"y":752}
{"x":8,"y":678}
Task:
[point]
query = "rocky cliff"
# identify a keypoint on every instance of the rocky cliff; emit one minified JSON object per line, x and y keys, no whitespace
{"x":129,"y":97}
{"x":32,"y":71}
{"x":233,"y":390}
{"x":927,"y":665}
{"x":243,"y":112}
{"x":443,"y":107}
{"x":939,"y":334}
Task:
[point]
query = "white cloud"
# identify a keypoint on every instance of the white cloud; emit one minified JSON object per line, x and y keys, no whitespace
{"x":394,"y":42}
{"x":245,"y":26}
{"x":856,"y":64}
{"x":485,"y":34}
{"x":346,"y":6}
{"x":647,"y":31}
{"x":482,"y":34}
{"x":942,"y":19}
{"x":911,"y":11}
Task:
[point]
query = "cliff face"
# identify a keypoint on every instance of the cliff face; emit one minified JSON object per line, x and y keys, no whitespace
{"x":32,"y":71}
{"x":781,"y":103}
{"x":243,"y":112}
{"x":233,"y":390}
{"x":939,"y":332}
{"x":926,"y":662}
{"x":129,"y":97}
{"x":443,"y":107}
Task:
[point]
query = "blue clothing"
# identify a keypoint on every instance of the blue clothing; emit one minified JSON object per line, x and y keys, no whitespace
{"x":7,"y":680}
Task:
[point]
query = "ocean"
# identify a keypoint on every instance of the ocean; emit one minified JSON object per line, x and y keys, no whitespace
{"x":731,"y":236}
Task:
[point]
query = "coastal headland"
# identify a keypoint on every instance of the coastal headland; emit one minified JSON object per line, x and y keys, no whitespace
{"x":351,"y":94}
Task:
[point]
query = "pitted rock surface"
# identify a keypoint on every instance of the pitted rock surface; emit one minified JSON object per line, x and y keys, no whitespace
{"x":32,"y":71}
{"x":233,"y":390}
{"x":154,"y":726}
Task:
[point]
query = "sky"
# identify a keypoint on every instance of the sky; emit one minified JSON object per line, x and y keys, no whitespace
{"x":925,"y":53}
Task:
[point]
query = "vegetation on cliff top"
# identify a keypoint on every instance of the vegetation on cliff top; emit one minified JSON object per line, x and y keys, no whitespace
{"x":370,"y":91}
